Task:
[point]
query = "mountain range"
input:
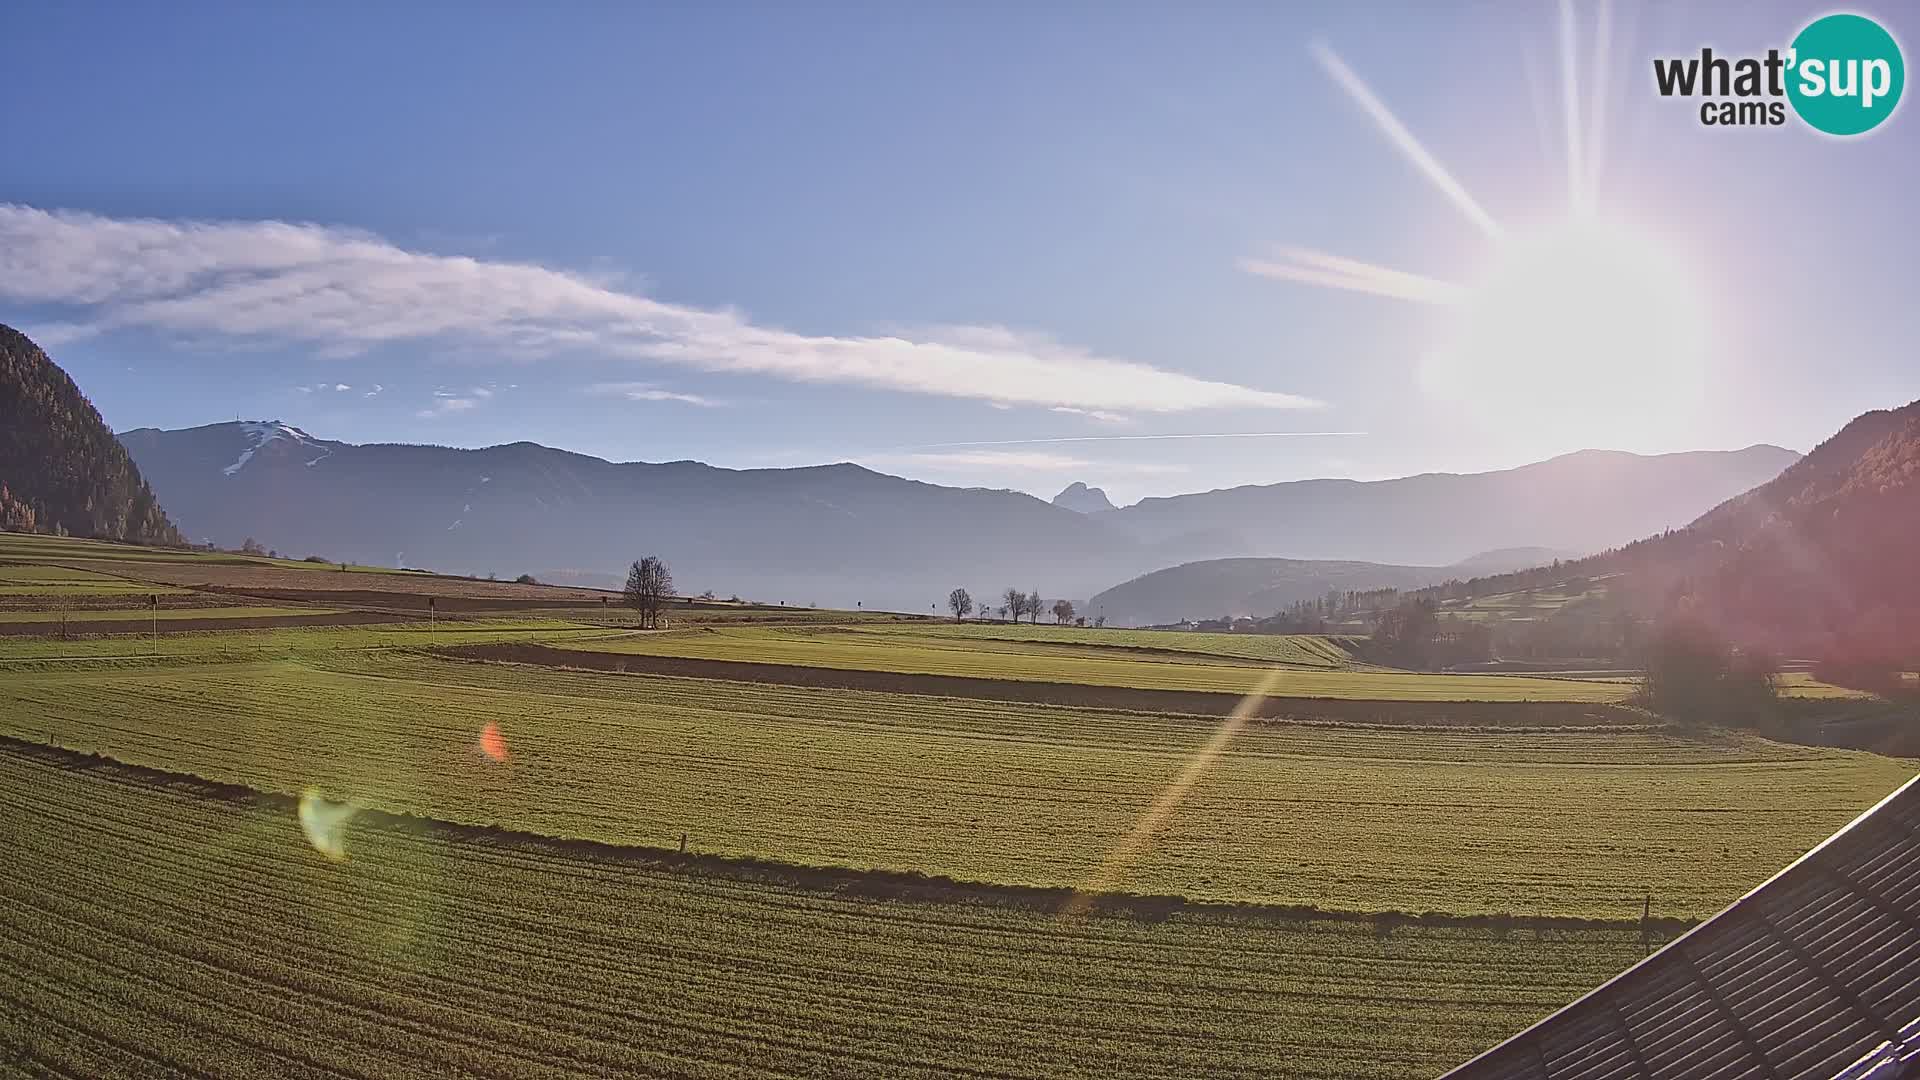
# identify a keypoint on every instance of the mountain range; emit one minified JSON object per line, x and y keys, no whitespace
{"x":1584,"y":502}
{"x":845,"y":535}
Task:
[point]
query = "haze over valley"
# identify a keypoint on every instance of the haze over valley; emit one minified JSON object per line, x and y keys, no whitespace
{"x":839,"y":535}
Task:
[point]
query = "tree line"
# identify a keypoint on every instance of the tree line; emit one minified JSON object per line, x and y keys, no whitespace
{"x":1016,"y":604}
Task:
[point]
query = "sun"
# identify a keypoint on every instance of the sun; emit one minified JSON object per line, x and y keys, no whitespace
{"x":1585,"y":330}
{"x":1577,"y":332}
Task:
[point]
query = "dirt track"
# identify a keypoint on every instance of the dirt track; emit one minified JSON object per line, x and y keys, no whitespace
{"x":1505,"y":714}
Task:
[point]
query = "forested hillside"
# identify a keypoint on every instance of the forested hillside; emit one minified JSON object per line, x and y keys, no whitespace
{"x":61,"y":469}
{"x":1819,"y":562}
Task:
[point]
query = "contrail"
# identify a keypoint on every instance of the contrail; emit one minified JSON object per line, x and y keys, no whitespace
{"x":1397,"y":133}
{"x":1138,"y":438}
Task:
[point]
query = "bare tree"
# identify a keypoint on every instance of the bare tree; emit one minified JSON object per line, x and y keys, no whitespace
{"x":1033,"y":607}
{"x":1063,"y":611}
{"x":960,"y":602}
{"x":649,"y":583}
{"x":1016,"y":602}
{"x":1003,"y":613}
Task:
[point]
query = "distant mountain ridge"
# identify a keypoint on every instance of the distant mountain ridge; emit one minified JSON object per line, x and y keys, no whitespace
{"x":61,"y":469}
{"x":1260,"y":587}
{"x":1584,"y":501}
{"x":829,"y":534}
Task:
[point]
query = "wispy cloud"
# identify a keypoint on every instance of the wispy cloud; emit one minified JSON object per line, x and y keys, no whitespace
{"x":1338,"y":272}
{"x":447,"y":401}
{"x":445,"y":405}
{"x":343,"y":290}
{"x":642,"y":391}
{"x":324,"y":387}
{"x":1101,"y":415}
{"x":375,"y":391}
{"x":1146,"y":438}
{"x":1022,"y":461}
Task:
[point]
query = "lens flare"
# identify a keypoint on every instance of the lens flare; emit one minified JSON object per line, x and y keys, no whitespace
{"x":325,"y":823}
{"x":493,"y":744}
{"x":1137,"y":840}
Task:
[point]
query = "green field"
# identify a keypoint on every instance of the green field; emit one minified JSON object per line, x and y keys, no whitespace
{"x":1549,"y":822}
{"x":851,"y":649}
{"x":150,"y":931}
{"x":55,"y":582}
{"x":212,"y":646}
{"x":1523,"y":605}
{"x":138,"y":615}
{"x":1296,"y":650}
{"x":32,"y":547}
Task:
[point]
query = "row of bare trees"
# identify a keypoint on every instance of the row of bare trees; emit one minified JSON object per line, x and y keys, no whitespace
{"x":1014,"y":603}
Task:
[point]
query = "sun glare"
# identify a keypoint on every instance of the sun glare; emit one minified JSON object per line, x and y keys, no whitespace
{"x":1582,"y":332}
{"x":1584,"y":325}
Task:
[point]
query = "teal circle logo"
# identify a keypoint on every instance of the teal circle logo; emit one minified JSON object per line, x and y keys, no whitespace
{"x":1845,"y":74}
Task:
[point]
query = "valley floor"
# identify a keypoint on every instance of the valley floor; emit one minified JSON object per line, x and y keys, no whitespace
{"x":163,"y":929}
{"x":885,"y":821}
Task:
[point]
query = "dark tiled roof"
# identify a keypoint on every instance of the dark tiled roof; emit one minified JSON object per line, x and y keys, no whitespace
{"x":1801,"y":977}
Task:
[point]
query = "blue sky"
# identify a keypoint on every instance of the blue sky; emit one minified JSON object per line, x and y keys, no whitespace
{"x":768,"y":235}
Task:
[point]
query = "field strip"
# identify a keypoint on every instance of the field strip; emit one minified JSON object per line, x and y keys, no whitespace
{"x":842,"y":882}
{"x":842,"y":648}
{"x":1085,"y":695}
{"x":1473,"y":820}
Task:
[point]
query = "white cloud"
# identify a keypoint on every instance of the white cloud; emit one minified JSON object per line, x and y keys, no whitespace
{"x":1101,"y":415}
{"x":640,"y":391}
{"x":342,"y":387}
{"x":1017,"y":460}
{"x":375,"y":392}
{"x":343,"y":290}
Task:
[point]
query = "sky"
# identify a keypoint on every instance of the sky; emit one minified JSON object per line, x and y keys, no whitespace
{"x":998,"y":245}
